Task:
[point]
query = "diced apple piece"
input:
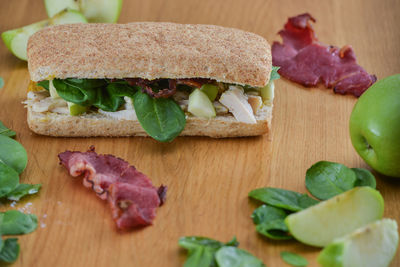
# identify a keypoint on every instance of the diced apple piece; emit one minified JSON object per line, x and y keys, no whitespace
{"x":210,"y":90}
{"x":319,"y":225}
{"x":17,"y":40}
{"x":200,"y":105}
{"x":75,"y":109}
{"x":373,"y":245}
{"x":235,"y":100}
{"x":94,"y":10}
{"x":267,"y":93}
{"x":53,"y":90}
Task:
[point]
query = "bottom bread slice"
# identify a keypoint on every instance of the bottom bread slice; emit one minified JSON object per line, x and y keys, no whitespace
{"x":96,"y":124}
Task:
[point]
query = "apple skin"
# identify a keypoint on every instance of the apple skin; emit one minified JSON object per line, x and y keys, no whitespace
{"x":375,"y":126}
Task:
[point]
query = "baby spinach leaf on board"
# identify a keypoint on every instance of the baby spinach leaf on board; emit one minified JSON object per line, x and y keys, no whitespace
{"x":327,"y":179}
{"x":1,"y":82}
{"x":200,"y":257}
{"x":235,"y":257}
{"x":13,"y":153}
{"x":9,"y":179}
{"x":269,"y":222}
{"x":23,"y":190}
{"x":364,"y":178}
{"x":274,"y":74}
{"x":201,"y":250}
{"x":282,"y":198}
{"x":14,"y":222}
{"x":193,"y":242}
{"x":293,"y":259}
{"x":161,"y":118}
{"x":10,"y":250}
{"x":5,"y":131}
{"x":276,"y":230}
{"x":45,"y":84}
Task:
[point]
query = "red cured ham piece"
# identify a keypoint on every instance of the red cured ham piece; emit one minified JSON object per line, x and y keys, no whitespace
{"x":302,"y":59}
{"x":131,"y":195}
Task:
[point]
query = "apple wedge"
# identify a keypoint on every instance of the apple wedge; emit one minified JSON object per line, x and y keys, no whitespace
{"x":373,"y":245}
{"x":94,"y":10}
{"x":17,"y":40}
{"x":319,"y":225}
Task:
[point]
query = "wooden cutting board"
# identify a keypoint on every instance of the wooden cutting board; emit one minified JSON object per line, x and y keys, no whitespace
{"x":208,"y":179}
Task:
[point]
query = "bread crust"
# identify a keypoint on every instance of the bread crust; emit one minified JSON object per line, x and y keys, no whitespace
{"x":149,"y":50}
{"x":96,"y":124}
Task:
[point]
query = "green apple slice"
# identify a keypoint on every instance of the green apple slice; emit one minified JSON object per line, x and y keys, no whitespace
{"x":55,"y":6}
{"x":94,"y":10}
{"x":200,"y":105}
{"x":53,"y":90}
{"x":267,"y":93}
{"x":67,"y":16}
{"x":373,"y":245}
{"x":101,"y":10}
{"x":75,"y":109}
{"x":210,"y":90}
{"x":319,"y":225}
{"x":17,"y":40}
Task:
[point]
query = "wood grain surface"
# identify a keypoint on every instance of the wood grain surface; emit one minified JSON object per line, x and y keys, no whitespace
{"x":208,"y":179}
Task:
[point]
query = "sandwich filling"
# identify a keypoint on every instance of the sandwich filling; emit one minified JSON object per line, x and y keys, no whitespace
{"x":161,"y":106}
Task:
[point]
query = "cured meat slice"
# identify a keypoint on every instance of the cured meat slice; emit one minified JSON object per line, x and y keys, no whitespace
{"x":304,"y":60}
{"x":130,"y":193}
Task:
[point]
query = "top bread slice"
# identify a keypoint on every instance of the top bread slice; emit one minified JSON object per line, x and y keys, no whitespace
{"x":149,"y":50}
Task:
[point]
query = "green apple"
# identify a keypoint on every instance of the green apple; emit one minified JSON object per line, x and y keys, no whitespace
{"x":373,"y":245}
{"x":94,"y":10}
{"x":210,"y":90}
{"x":17,"y":40}
{"x":375,"y":126}
{"x":75,"y":109}
{"x":319,"y":225}
{"x":267,"y":93}
{"x":200,"y":105}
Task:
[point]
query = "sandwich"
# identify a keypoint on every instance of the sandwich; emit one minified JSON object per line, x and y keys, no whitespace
{"x":149,"y":79}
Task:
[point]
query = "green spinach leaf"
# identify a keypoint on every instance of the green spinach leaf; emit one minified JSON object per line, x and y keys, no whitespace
{"x":10,"y":250}
{"x":23,"y":190}
{"x":293,"y":259}
{"x":111,"y":97}
{"x":1,"y":82}
{"x":45,"y":84}
{"x":161,"y":118}
{"x":274,"y":74}
{"x":235,"y":257}
{"x":269,"y":222}
{"x":5,"y":131}
{"x":201,"y":250}
{"x":281,"y":198}
{"x":14,"y":222}
{"x":81,"y":92}
{"x":9,"y":179}
{"x":364,"y":178}
{"x":327,"y":179}
{"x":13,"y":153}
{"x":200,"y":257}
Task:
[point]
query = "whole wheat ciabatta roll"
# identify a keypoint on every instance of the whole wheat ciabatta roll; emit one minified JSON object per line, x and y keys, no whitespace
{"x":161,"y":79}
